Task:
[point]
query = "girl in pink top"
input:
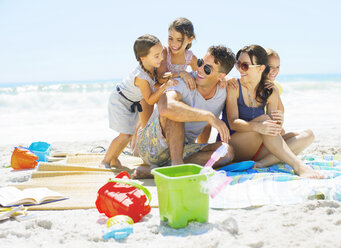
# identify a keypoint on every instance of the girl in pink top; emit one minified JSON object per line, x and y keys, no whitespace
{"x":177,"y":56}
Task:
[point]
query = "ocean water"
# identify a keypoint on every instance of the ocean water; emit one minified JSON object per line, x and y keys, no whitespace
{"x":312,"y":101}
{"x":63,"y":111}
{"x":77,"y":111}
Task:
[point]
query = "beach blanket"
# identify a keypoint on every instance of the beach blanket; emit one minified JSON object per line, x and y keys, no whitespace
{"x":79,"y":178}
{"x":278,"y":185}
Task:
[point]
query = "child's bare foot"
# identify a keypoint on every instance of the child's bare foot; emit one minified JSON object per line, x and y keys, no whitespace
{"x":308,"y":172}
{"x":115,"y":162}
{"x":104,"y":165}
{"x":142,"y":172}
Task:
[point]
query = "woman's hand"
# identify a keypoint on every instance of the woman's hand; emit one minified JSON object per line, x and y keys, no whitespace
{"x":189,"y":80}
{"x":228,"y":82}
{"x":269,"y":127}
{"x":278,"y":116}
{"x":269,"y":85}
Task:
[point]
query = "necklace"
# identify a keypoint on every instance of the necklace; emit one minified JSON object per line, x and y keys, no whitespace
{"x":252,"y":103}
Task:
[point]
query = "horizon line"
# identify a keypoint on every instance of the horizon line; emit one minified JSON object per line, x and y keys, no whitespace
{"x":114,"y":79}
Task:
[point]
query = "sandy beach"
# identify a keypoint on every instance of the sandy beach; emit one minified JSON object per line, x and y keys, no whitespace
{"x":315,"y":223}
{"x":61,"y":60}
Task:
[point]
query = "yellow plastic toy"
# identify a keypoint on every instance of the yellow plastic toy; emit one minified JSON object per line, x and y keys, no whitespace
{"x":119,"y":219}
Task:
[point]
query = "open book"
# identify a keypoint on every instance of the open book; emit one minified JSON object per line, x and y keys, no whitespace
{"x":10,"y":196}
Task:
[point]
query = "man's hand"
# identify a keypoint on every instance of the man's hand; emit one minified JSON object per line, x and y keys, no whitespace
{"x":221,"y":128}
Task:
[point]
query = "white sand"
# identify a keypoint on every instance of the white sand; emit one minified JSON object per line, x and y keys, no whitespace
{"x":311,"y":224}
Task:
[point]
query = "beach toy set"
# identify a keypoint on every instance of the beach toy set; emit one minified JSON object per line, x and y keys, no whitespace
{"x":184,"y":190}
{"x":28,"y":158}
{"x":122,"y":196}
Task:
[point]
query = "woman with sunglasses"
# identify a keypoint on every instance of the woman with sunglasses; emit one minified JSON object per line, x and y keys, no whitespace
{"x":254,"y":134}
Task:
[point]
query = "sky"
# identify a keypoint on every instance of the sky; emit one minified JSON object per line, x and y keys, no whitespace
{"x":67,"y":40}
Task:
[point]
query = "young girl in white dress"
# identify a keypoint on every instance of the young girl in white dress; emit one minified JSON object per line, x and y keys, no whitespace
{"x":124,"y":103}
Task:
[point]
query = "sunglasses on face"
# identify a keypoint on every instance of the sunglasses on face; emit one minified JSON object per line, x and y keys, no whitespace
{"x":245,"y":66}
{"x":207,"y":68}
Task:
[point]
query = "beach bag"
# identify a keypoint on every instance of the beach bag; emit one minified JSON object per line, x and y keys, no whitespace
{"x":22,"y":158}
{"x":122,"y":196}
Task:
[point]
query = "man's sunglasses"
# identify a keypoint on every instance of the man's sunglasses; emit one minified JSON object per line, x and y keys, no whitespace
{"x":245,"y":66}
{"x":207,"y":68}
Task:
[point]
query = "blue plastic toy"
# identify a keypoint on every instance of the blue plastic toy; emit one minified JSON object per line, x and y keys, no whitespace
{"x":238,"y":166}
{"x":119,"y":232}
{"x":41,"y":149}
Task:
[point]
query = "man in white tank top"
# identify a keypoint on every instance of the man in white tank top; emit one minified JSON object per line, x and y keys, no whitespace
{"x":169,"y":137}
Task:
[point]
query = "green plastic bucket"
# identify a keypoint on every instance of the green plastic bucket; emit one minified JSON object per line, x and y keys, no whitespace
{"x":180,"y":196}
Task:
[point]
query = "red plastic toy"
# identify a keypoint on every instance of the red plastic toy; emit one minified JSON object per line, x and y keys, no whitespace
{"x":121,"y":196}
{"x":23,"y":159}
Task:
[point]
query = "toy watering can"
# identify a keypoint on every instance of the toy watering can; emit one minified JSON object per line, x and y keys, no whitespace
{"x":122,"y":196}
{"x":216,"y":182}
{"x":23,"y":158}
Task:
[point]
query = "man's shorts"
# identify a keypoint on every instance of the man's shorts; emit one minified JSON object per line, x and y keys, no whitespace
{"x":153,"y":147}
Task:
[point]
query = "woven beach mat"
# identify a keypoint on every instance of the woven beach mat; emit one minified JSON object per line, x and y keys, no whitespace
{"x":91,"y":162}
{"x":79,"y":181}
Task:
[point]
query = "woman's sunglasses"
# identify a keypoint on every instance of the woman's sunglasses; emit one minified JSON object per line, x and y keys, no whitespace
{"x":207,"y":68}
{"x":245,"y":66}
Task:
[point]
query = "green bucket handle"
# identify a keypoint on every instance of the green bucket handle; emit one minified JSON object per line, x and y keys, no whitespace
{"x":132,"y":183}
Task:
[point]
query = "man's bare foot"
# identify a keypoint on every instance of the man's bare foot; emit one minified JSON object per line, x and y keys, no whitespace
{"x":177,"y":162}
{"x":142,"y":172}
{"x":308,"y":172}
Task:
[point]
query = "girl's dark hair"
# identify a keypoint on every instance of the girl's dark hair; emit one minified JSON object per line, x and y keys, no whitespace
{"x":258,"y":56}
{"x":185,"y":27}
{"x":141,"y":49}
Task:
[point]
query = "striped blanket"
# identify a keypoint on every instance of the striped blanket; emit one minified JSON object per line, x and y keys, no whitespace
{"x":278,"y":185}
